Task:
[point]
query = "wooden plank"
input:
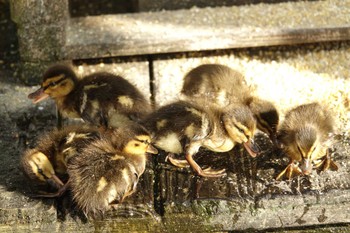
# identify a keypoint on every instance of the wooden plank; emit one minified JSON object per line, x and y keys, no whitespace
{"x":207,"y":29}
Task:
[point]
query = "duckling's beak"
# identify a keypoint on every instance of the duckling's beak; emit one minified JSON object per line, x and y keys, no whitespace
{"x":251,"y":147}
{"x":306,"y":167}
{"x":151,"y":149}
{"x":54,"y":181}
{"x":38,"y":95}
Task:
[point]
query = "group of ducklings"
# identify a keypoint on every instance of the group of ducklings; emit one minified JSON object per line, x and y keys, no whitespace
{"x":101,"y":162}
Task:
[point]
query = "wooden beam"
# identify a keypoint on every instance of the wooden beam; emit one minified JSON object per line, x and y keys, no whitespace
{"x":207,"y":29}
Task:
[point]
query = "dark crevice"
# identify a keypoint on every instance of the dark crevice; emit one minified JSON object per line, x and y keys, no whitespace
{"x":78,"y":8}
{"x":157,"y":187}
{"x":151,"y":80}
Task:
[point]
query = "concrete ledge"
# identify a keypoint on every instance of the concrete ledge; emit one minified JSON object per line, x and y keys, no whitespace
{"x":207,"y":29}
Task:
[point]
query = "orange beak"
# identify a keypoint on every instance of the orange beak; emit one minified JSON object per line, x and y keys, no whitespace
{"x":38,"y":95}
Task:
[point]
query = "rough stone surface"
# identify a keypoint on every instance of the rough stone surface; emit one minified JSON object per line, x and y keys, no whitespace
{"x":207,"y":29}
{"x":40,"y":28}
{"x":30,"y":73}
{"x":23,"y":11}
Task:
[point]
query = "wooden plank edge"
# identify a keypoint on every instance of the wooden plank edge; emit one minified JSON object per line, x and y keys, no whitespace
{"x":230,"y":40}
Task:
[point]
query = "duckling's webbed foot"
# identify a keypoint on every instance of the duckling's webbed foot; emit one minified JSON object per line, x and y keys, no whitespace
{"x":326,"y":163}
{"x":290,"y":171}
{"x":218,"y":173}
{"x":58,"y":193}
{"x":209,"y":172}
{"x":182,"y":163}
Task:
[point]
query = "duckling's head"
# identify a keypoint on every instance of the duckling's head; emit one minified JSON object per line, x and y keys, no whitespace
{"x":133,"y":139}
{"x":37,"y":166}
{"x":267,"y":117}
{"x":58,"y":81}
{"x":306,"y":142}
{"x":240,"y":125}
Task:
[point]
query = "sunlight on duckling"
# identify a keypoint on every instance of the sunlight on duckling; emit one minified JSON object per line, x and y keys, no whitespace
{"x":285,"y":83}
{"x":303,"y":86}
{"x":102,"y":183}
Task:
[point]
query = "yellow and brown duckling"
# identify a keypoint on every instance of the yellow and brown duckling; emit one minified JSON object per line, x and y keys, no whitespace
{"x":108,"y":169}
{"x":305,"y":136}
{"x":46,"y":164}
{"x":222,"y":86}
{"x":184,"y":127}
{"x":101,"y":98}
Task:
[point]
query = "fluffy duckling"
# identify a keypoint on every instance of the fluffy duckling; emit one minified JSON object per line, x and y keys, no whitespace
{"x":100,"y":98}
{"x":217,"y":83}
{"x":222,"y":86}
{"x":46,"y":164}
{"x":107,"y":170}
{"x":266,"y":115}
{"x":184,"y":127}
{"x":304,"y":135}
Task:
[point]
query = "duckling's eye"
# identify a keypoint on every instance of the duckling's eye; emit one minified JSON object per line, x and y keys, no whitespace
{"x":313,"y":150}
{"x":52,"y":84}
{"x":41,"y":172}
{"x":136,"y":144}
{"x":241,"y":130}
{"x":143,"y":141}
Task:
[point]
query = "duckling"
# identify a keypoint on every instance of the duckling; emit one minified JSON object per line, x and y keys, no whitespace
{"x":101,"y":98}
{"x":304,"y":135}
{"x":222,"y":86}
{"x":266,"y":115}
{"x":185,"y":127}
{"x":108,"y":169}
{"x":217,"y":83}
{"x":46,"y":164}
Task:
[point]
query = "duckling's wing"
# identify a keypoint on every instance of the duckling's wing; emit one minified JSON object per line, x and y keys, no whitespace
{"x":103,"y":95}
{"x":174,"y":118}
{"x":174,"y":125}
{"x":87,"y":179}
